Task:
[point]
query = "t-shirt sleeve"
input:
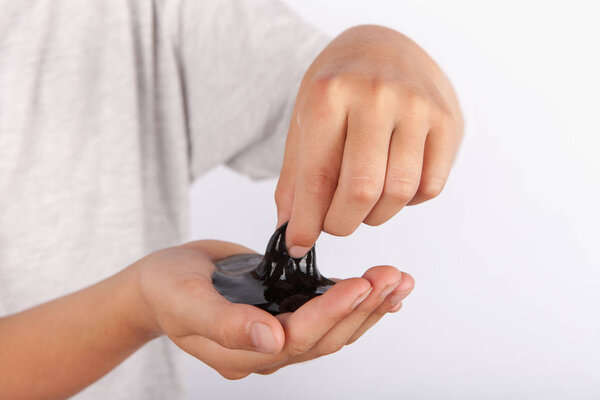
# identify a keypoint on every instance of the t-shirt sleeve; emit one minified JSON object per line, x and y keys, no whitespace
{"x":242,"y":63}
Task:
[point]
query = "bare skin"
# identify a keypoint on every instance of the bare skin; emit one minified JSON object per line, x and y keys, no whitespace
{"x":376,"y":127}
{"x":56,"y":349}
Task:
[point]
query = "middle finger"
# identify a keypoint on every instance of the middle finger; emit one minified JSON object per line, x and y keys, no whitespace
{"x":362,"y":172}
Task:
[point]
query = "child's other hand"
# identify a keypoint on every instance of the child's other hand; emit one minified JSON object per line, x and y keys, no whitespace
{"x":376,"y":127}
{"x":237,"y":339}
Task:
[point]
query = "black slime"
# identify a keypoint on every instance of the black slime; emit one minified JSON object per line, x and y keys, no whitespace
{"x":275,"y":282}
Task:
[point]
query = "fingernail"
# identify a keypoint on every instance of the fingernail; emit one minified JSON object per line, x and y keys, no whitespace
{"x":396,"y":308}
{"x":262,"y":338}
{"x":388,"y":289}
{"x":361,"y":298}
{"x":298,"y":251}
{"x":397,"y":298}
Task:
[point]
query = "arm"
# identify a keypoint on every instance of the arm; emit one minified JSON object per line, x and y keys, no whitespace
{"x":376,"y":126}
{"x":58,"y":348}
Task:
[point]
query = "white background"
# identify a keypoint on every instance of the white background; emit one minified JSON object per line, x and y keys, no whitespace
{"x":506,"y":260}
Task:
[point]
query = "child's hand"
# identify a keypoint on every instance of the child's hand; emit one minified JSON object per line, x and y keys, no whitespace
{"x":376,"y":127}
{"x":239,"y":339}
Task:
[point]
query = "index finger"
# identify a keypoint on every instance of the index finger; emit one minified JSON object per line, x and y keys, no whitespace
{"x":322,"y":130}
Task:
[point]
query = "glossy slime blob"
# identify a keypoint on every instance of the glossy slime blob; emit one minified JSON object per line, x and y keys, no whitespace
{"x":275,"y":282}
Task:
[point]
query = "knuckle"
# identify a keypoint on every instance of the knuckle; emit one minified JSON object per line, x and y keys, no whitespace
{"x":432,"y":187}
{"x":326,"y":348}
{"x":444,"y":114}
{"x":220,"y":332}
{"x":325,"y":83}
{"x":363,"y":190}
{"x":364,"y":311}
{"x":336,"y":230}
{"x":400,"y":189}
{"x":383,"y":93}
{"x":282,"y":193}
{"x":224,"y":330}
{"x":375,"y":221}
{"x":299,"y":347}
{"x":357,"y":335}
{"x":320,"y":184}
{"x":323,"y":92}
{"x":445,"y":120}
{"x":416,"y":102}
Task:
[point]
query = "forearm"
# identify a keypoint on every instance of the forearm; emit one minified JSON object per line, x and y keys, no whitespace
{"x":58,"y":348}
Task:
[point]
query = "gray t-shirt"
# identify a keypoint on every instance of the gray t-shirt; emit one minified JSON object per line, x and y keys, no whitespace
{"x":108,"y":110}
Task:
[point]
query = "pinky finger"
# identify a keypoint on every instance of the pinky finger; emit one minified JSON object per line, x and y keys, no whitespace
{"x":397,"y":308}
{"x":392,"y":303}
{"x":440,"y":149}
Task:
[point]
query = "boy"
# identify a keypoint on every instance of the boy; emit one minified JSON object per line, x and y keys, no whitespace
{"x":109,"y":109}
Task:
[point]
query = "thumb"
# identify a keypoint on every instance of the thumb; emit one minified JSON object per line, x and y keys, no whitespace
{"x":236,"y":326}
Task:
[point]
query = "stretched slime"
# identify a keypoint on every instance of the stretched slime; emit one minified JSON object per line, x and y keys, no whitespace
{"x":275,"y":282}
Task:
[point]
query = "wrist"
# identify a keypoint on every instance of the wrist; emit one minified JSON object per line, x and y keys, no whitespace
{"x":131,"y":308}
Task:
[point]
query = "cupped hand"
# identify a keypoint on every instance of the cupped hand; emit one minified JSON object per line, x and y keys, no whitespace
{"x":376,"y":126}
{"x":238,"y":339}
